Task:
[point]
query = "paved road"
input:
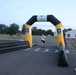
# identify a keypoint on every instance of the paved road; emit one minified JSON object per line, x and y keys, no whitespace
{"x":36,"y":61}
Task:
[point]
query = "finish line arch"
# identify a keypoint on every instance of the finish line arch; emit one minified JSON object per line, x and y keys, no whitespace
{"x":62,"y":59}
{"x":44,"y":18}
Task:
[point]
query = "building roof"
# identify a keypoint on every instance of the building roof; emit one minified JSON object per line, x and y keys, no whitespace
{"x":71,"y":31}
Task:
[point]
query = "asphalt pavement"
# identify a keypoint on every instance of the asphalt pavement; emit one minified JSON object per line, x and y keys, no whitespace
{"x":37,"y":61}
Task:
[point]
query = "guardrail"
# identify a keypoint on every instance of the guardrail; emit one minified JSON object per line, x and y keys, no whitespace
{"x":14,"y":46}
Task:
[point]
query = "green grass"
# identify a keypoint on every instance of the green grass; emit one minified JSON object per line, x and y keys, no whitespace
{"x":6,"y":41}
{"x":73,"y":45}
{"x":47,"y":37}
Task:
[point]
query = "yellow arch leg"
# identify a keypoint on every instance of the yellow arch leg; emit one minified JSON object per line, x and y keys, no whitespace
{"x":28,"y":36}
{"x":60,"y":37}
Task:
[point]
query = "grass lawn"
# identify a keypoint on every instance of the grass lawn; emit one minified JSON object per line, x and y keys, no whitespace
{"x":6,"y":41}
{"x":47,"y":37}
{"x":73,"y":45}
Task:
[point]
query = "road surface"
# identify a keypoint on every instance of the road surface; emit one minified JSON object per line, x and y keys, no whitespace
{"x":37,"y":61}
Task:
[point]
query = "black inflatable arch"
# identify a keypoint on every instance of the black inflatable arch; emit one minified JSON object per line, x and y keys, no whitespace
{"x":49,"y":18}
{"x":62,"y":61}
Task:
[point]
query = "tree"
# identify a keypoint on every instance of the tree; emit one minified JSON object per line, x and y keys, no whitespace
{"x":69,"y":29}
{"x":23,"y":28}
{"x":43,"y":32}
{"x":49,"y":32}
{"x":65,"y":30}
{"x":13,"y":29}
{"x":3,"y":28}
{"x":34,"y":30}
{"x":38,"y":32}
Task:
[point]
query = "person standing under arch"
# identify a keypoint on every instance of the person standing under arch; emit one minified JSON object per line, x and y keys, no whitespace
{"x":43,"y":40}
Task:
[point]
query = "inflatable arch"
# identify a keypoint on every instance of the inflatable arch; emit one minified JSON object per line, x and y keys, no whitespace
{"x":62,"y":59}
{"x":43,"y":18}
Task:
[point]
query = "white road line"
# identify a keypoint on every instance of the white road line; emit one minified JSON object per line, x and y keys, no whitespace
{"x":56,"y":50}
{"x":37,"y":49}
{"x":46,"y":50}
{"x":28,"y":49}
{"x":67,"y":51}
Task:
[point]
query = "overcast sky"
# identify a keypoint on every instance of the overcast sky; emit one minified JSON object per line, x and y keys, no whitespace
{"x":20,"y":11}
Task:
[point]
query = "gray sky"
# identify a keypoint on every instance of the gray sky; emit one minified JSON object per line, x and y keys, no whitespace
{"x":20,"y":11}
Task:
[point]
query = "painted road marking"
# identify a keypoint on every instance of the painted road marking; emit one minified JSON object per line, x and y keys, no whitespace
{"x":46,"y":50}
{"x":37,"y":49}
{"x":52,"y":51}
{"x":56,"y":50}
{"x":67,"y":51}
{"x":28,"y":49}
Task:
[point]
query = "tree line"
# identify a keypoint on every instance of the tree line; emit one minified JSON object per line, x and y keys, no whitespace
{"x":11,"y":30}
{"x":36,"y":31}
{"x":14,"y":29}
